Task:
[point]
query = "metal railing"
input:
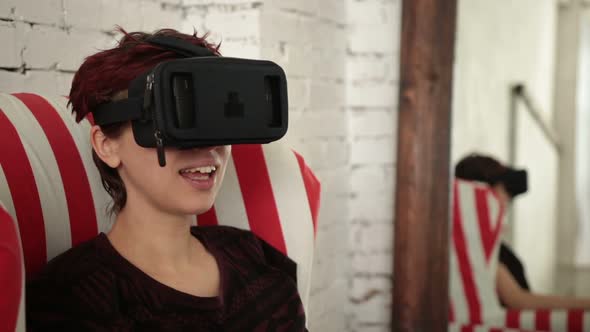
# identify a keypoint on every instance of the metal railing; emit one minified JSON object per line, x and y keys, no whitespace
{"x":518,"y":93}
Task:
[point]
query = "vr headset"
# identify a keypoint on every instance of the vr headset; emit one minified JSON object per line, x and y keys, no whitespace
{"x":202,"y":100}
{"x":515,"y":181}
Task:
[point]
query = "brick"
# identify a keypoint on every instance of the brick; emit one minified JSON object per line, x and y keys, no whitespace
{"x":328,"y":322}
{"x":329,"y":36}
{"x":248,"y":49}
{"x":332,"y":268}
{"x":372,"y":95}
{"x":373,"y":206}
{"x":328,"y":307}
{"x":110,"y":15}
{"x":335,"y":181}
{"x":83,"y":14}
{"x":7,"y":8}
{"x":293,"y":27}
{"x":233,"y":25}
{"x":334,"y":209}
{"x":333,"y":10}
{"x":12,"y":36}
{"x":64,"y":83}
{"x":371,"y":178}
{"x":298,"y":90}
{"x":375,"y":12}
{"x":11,"y":82}
{"x":80,"y":44}
{"x":155,"y":17}
{"x":367,"y":69}
{"x":298,"y":60}
{"x":34,"y":11}
{"x":309,"y":7}
{"x":373,"y":264}
{"x":188,"y":3}
{"x":327,"y":64}
{"x":364,"y":287}
{"x":194,"y":20}
{"x":369,"y":238}
{"x":379,"y":150}
{"x":373,"y":38}
{"x":41,"y":82}
{"x":375,"y":310}
{"x":42,"y":50}
{"x":331,"y":242}
{"x":327,"y":95}
{"x":373,"y":123}
{"x":326,"y":154}
{"x":320,"y":124}
{"x":372,"y":327}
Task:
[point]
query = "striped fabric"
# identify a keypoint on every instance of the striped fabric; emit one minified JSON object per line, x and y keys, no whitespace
{"x":12,"y":288}
{"x":51,"y":187}
{"x":477,"y":223}
{"x":455,"y":327}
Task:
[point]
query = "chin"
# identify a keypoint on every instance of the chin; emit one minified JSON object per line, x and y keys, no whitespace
{"x":195,"y":209}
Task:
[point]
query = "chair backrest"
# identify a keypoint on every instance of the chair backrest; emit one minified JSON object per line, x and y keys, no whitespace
{"x":51,"y":187}
{"x":477,"y":224}
{"x":478,"y":217}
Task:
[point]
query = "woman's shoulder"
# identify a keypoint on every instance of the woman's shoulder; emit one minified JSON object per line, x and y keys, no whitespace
{"x":76,"y":262}
{"x":75,"y":283}
{"x":78,"y":278}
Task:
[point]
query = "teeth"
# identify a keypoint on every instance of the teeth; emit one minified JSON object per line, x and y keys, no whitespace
{"x":204,"y":170}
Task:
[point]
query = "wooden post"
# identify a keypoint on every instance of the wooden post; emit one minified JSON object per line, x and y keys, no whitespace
{"x":422,"y":206}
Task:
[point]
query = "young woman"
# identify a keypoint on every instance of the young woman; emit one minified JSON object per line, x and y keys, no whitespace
{"x":511,"y":284}
{"x":153,"y":271}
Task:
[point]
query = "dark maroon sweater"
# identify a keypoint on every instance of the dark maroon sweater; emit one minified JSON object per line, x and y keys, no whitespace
{"x":93,"y":288}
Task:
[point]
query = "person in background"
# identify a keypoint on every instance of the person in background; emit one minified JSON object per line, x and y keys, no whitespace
{"x":511,"y":283}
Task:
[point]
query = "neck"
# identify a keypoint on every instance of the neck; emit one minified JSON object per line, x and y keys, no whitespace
{"x":152,"y":239}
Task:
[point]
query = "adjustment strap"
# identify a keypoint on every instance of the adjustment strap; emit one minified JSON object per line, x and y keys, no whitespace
{"x":181,"y":47}
{"x":118,"y":111}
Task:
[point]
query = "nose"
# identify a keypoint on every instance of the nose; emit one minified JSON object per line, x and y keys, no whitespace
{"x":208,"y":148}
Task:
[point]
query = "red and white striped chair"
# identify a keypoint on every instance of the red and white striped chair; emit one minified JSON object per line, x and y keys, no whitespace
{"x":50,"y":186}
{"x":477,"y":223}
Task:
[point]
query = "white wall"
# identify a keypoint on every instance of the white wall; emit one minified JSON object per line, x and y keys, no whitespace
{"x":500,"y":43}
{"x":372,"y":91}
{"x":341,"y":59}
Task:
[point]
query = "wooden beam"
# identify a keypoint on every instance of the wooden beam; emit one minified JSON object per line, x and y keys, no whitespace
{"x":422,"y":206}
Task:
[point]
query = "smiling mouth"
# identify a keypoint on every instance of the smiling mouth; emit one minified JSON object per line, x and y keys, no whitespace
{"x":198,"y":173}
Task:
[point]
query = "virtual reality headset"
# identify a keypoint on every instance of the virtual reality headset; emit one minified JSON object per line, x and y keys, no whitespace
{"x":515,"y":181}
{"x":202,"y":100}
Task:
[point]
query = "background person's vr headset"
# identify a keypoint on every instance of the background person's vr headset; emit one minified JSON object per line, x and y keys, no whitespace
{"x":202,"y":100}
{"x":515,"y":181}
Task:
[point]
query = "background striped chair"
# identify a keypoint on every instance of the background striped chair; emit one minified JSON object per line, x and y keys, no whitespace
{"x":50,"y":186}
{"x":477,"y":223}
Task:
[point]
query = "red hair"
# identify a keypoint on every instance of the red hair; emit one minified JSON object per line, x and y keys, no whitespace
{"x":110,"y":71}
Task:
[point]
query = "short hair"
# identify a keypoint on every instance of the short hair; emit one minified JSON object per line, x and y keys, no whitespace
{"x":476,"y":167}
{"x":110,"y":71}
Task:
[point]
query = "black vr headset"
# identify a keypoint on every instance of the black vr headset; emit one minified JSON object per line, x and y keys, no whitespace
{"x":515,"y":181}
{"x":202,"y":100}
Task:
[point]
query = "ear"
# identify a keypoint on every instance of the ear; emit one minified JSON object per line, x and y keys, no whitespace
{"x":106,"y":148}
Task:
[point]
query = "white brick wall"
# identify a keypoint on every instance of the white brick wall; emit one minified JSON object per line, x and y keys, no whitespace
{"x":341,"y":60}
{"x":372,"y":88}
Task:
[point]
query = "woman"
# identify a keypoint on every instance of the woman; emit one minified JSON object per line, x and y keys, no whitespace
{"x":153,"y":271}
{"x":511,"y":284}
